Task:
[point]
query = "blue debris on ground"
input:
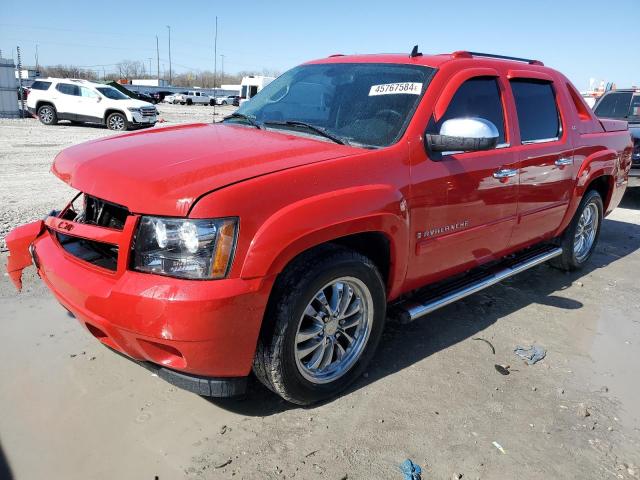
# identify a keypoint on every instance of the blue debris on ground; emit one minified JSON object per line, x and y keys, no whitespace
{"x":410,"y":470}
{"x":531,"y":354}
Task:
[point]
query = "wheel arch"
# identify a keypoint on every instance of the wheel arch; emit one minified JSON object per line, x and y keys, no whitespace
{"x":110,"y":111}
{"x":595,"y":172}
{"x":41,"y":103}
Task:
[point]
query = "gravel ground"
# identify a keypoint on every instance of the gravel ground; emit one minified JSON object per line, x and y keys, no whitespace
{"x":70,"y":408}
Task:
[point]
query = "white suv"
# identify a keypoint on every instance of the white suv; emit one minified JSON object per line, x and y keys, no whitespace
{"x":79,"y":101}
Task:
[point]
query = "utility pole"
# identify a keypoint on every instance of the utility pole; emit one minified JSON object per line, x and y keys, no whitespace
{"x":20,"y":89}
{"x":158,"y":57}
{"x":215,"y":67}
{"x":170,"y":77}
{"x":37,"y":57}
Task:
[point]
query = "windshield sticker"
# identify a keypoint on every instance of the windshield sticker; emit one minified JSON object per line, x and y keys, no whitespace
{"x":412,"y":88}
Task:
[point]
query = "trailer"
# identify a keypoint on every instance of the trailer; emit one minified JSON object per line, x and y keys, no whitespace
{"x":251,"y":85}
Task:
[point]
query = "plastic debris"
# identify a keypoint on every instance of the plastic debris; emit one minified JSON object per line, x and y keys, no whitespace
{"x":410,"y":470}
{"x":499,"y":447}
{"x":531,"y":354}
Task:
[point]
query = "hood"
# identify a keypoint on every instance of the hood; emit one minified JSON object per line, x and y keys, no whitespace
{"x":164,"y":171}
{"x":135,"y":103}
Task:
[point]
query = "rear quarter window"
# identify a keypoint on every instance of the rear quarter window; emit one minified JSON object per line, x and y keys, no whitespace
{"x":537,"y":110}
{"x":40,"y":85}
{"x":68,"y":89}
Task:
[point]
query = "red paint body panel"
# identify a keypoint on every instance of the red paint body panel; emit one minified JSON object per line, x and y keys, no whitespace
{"x":292,"y":193}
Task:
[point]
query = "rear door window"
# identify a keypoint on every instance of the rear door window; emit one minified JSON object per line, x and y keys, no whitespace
{"x":68,"y":89}
{"x":614,"y":105}
{"x":40,"y":85}
{"x":477,"y":97}
{"x":537,"y":110}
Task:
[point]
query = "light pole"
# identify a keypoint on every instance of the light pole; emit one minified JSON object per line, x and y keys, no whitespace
{"x":215,"y":67}
{"x":170,"y":78}
{"x":158,"y":57}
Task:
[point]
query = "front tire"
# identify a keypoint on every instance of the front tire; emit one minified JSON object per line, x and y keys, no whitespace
{"x":579,"y":240}
{"x":323,"y":325}
{"x":117,"y":122}
{"x":47,"y":114}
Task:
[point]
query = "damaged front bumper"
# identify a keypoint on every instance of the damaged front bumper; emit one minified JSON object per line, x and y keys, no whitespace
{"x":20,"y":244}
{"x":200,"y":336}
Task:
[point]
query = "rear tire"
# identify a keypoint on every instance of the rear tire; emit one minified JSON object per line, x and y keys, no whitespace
{"x":581,"y":236}
{"x":308,"y":350}
{"x":47,"y":114}
{"x":189,"y":101}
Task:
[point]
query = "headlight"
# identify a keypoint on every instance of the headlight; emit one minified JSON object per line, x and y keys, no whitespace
{"x":133,"y":109}
{"x":185,"y":248}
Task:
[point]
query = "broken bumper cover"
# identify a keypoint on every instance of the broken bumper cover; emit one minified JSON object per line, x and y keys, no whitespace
{"x":198,"y":335}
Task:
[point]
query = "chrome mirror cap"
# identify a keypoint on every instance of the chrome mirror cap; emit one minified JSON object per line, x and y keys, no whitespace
{"x":469,"y":127}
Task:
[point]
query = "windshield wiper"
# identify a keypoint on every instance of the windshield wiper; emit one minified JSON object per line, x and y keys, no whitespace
{"x":247,"y":118}
{"x":308,"y":126}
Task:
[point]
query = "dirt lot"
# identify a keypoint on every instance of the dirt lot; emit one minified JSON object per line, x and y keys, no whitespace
{"x":71,"y":409}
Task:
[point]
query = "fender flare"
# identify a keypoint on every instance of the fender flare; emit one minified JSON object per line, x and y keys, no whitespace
{"x":322,"y":218}
{"x":598,"y":164}
{"x":109,"y":111}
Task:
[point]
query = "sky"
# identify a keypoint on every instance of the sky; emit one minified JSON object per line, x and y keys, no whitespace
{"x":583,"y":39}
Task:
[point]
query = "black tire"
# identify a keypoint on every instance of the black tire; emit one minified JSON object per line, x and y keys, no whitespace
{"x":189,"y":101}
{"x":181,"y":103}
{"x":47,"y":114}
{"x":275,"y":363}
{"x":117,"y":122}
{"x":569,"y":260}
{"x":212,"y":103}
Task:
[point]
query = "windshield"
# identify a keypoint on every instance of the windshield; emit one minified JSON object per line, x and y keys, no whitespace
{"x":112,"y":93}
{"x":360,"y":103}
{"x":614,"y":105}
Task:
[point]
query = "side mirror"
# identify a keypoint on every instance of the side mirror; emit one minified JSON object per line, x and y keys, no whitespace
{"x":464,"y":135}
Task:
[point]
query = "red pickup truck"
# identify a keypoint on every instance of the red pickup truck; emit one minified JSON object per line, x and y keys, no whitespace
{"x":276,"y":240}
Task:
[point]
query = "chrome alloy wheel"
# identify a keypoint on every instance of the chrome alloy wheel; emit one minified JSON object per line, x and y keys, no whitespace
{"x":46,"y":114}
{"x":116,"y":122}
{"x":585,"y":232}
{"x":333,"y":330}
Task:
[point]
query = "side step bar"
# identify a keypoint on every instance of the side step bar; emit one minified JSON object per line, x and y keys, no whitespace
{"x":435,"y":298}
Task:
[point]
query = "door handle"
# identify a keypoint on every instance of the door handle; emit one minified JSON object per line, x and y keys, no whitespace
{"x":561,"y":162}
{"x":505,"y":173}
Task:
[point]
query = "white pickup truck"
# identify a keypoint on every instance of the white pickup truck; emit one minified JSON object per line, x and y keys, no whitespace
{"x":193,"y":97}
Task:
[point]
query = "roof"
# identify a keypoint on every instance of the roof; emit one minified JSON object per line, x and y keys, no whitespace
{"x":433,"y":61}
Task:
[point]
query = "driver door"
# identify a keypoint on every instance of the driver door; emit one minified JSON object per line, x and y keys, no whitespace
{"x":464,"y":204}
